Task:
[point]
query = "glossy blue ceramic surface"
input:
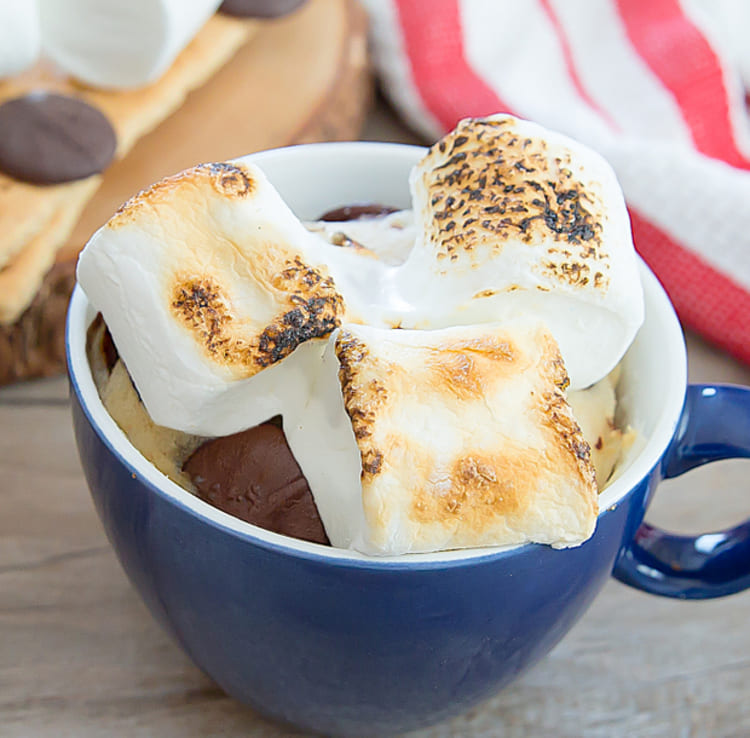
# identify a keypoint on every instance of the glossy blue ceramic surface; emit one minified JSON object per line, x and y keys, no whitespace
{"x":345,"y":645}
{"x":715,"y":425}
{"x":342,"y":647}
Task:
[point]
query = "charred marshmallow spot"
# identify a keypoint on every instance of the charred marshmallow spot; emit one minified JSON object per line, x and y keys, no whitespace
{"x":495,"y":185}
{"x":558,"y":418}
{"x":363,"y":399}
{"x":229,"y":179}
{"x":198,"y":303}
{"x":315,"y":310}
{"x":226,"y":178}
{"x":312,"y":309}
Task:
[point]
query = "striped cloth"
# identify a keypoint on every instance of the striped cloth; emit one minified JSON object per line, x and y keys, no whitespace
{"x":654,"y":85}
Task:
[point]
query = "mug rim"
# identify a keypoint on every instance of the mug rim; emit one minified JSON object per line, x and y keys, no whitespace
{"x":81,"y":313}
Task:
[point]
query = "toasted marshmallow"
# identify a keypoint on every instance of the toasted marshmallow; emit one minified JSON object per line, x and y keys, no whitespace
{"x":417,"y":441}
{"x":115,"y":44}
{"x":19,"y":35}
{"x":364,"y":257}
{"x":364,"y":281}
{"x":211,"y":300}
{"x":519,"y":220}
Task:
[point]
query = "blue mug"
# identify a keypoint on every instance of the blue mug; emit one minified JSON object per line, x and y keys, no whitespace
{"x":338,"y":643}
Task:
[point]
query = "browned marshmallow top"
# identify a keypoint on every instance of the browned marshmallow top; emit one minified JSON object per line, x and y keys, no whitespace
{"x":465,"y":437}
{"x":246,"y":301}
{"x":486,"y":184}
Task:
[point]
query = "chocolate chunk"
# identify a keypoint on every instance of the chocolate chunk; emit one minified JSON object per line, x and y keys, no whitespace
{"x":93,"y":336}
{"x":110,"y":350}
{"x":99,"y":341}
{"x":259,"y":8}
{"x":354,"y":212}
{"x":48,"y":139}
{"x":254,"y":476}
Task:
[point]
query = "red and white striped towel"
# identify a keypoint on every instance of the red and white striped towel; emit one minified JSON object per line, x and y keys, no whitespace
{"x":654,"y":85}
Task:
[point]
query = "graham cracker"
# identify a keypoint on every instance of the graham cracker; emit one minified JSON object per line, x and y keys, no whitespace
{"x":302,"y":78}
{"x":36,"y":220}
{"x":22,"y":277}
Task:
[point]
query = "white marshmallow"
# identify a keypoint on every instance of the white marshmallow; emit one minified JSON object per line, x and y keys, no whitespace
{"x":417,"y":441}
{"x":388,"y":238}
{"x":116,"y":44}
{"x":19,"y":35}
{"x":411,"y":440}
{"x":519,"y":220}
{"x":216,"y":311}
{"x":364,"y":257}
{"x":367,"y":283}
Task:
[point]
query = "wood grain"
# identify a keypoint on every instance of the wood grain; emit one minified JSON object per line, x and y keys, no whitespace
{"x":80,"y":656}
{"x":301,"y":78}
{"x":261,"y":99}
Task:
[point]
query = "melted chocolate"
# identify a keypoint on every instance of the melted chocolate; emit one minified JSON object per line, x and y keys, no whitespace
{"x":106,"y":348}
{"x":110,"y":350}
{"x":254,"y":476}
{"x":355,"y":212}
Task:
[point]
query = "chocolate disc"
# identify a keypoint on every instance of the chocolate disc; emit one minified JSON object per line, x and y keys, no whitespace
{"x":99,"y":342}
{"x":254,"y":476}
{"x":259,"y":8}
{"x":47,"y":138}
{"x":354,"y":212}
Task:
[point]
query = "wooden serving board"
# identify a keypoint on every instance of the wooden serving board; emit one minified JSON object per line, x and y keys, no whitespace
{"x":299,"y":79}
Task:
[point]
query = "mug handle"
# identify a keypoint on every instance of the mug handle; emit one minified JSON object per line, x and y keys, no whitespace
{"x":715,"y":424}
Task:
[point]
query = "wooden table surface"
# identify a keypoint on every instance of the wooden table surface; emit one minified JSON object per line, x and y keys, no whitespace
{"x":80,"y":655}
